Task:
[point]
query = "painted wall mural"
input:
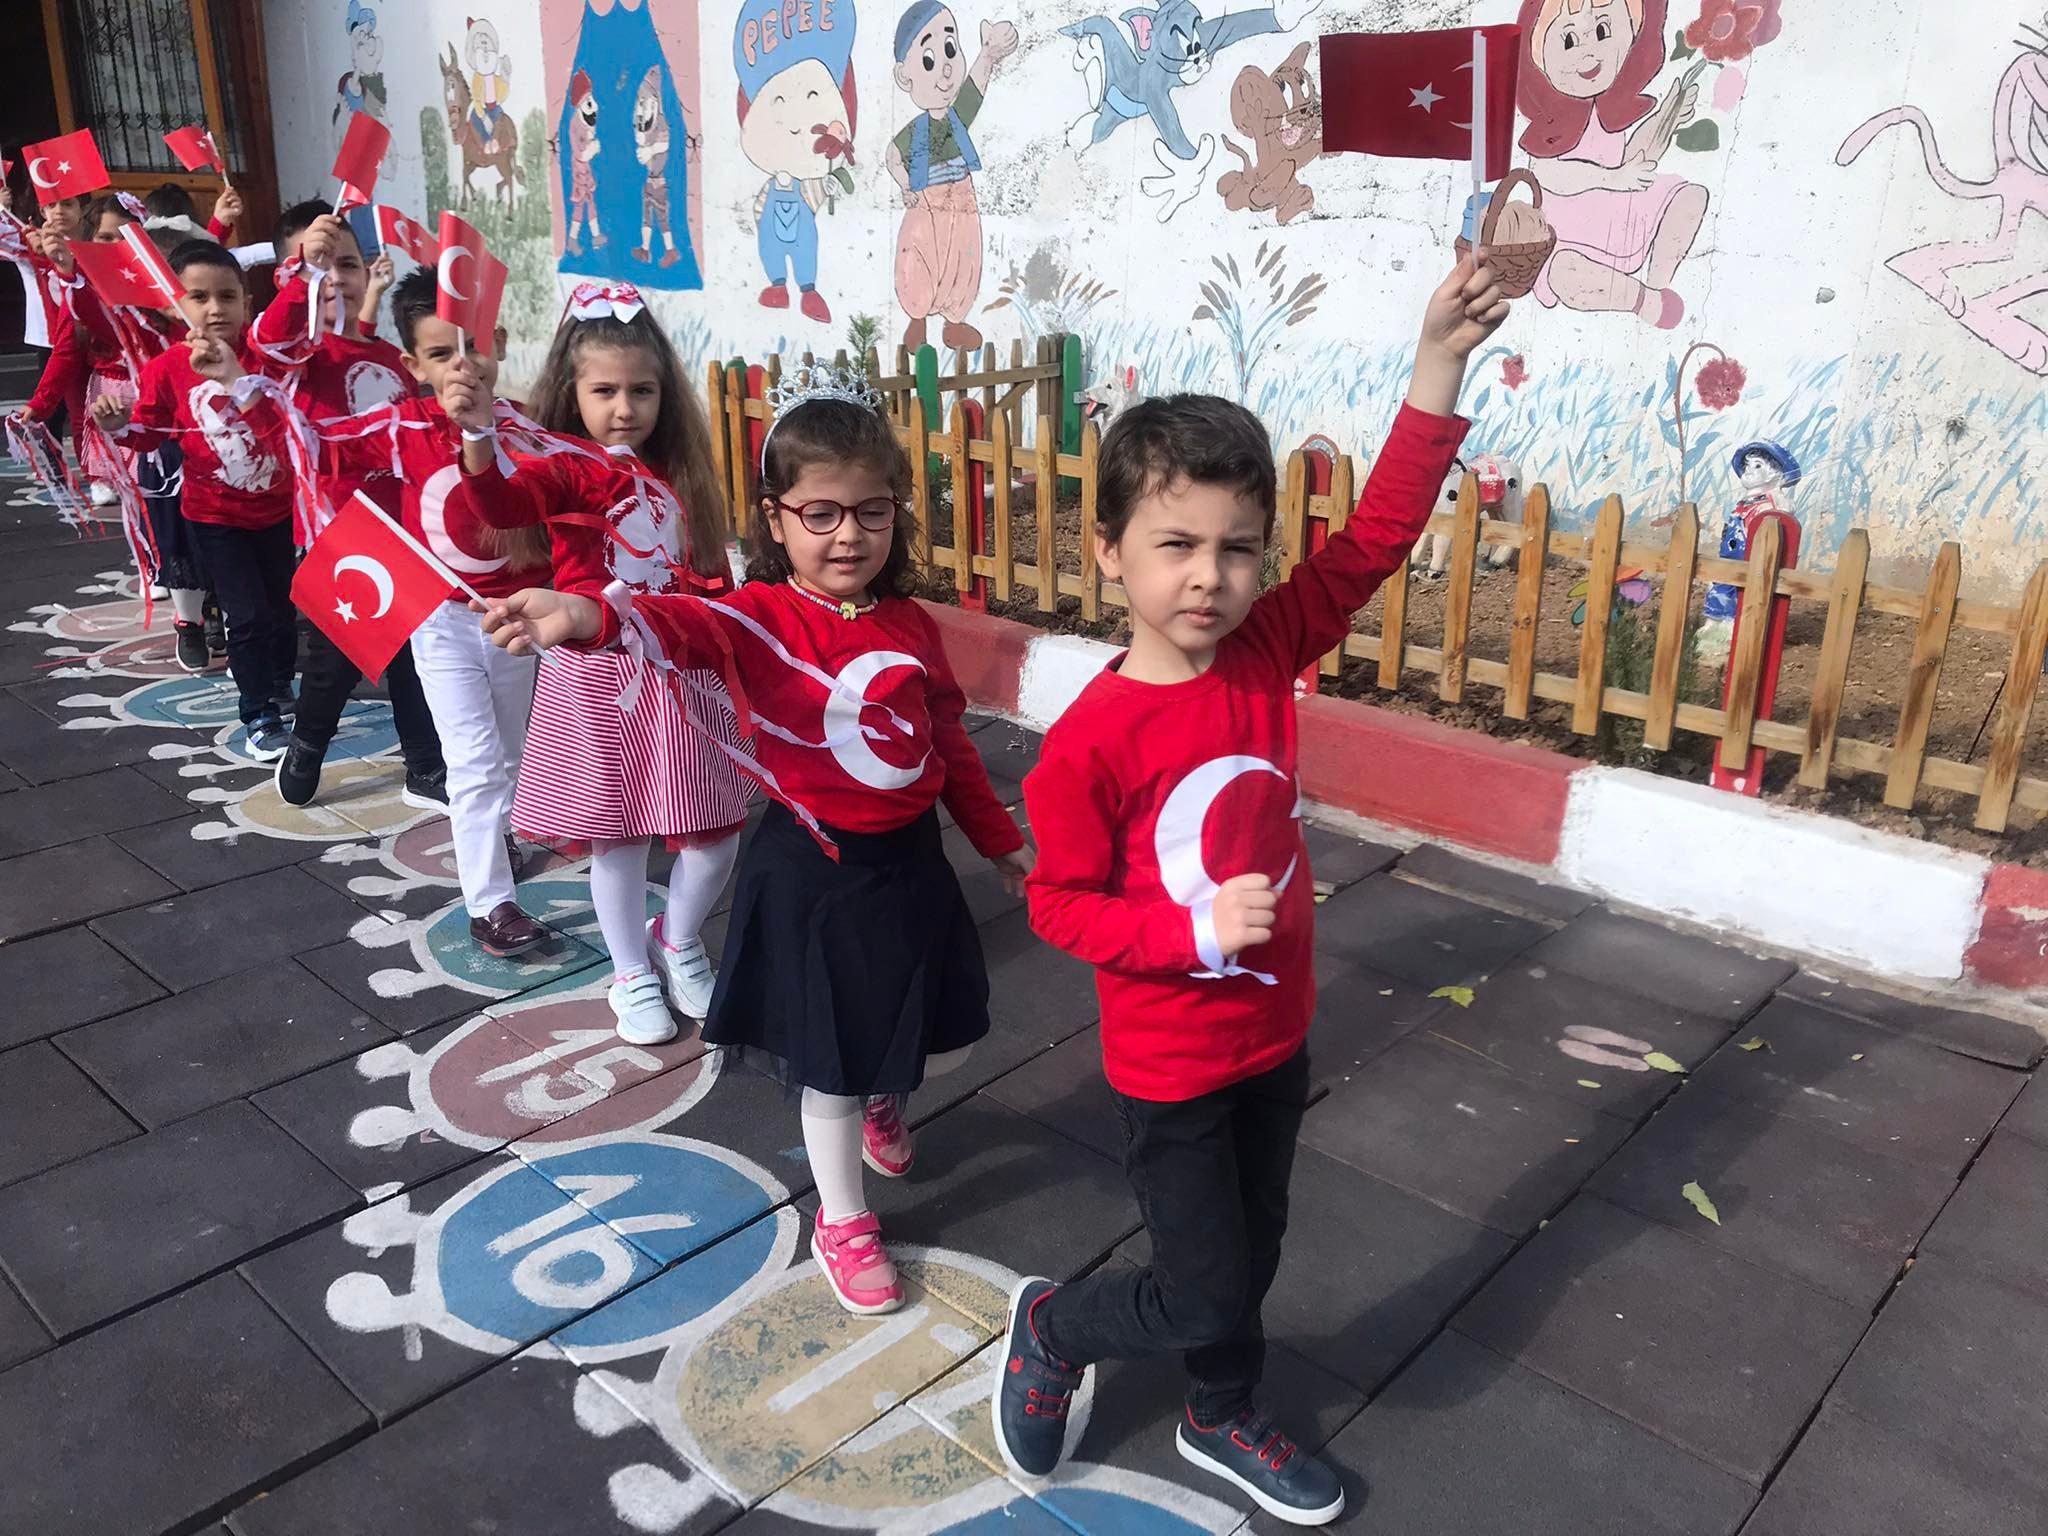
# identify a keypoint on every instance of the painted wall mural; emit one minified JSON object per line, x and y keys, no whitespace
{"x":1743,"y":171}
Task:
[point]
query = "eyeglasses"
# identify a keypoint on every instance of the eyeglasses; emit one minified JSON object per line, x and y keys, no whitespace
{"x":877,"y":514}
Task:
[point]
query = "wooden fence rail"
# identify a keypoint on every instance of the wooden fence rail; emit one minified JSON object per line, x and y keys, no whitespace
{"x":1026,"y":469}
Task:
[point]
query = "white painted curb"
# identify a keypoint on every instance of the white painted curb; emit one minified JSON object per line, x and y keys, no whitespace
{"x":1792,"y":879}
{"x":1056,"y":669}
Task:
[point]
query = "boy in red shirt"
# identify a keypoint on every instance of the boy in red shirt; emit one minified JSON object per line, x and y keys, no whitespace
{"x":237,"y":497}
{"x":1201,"y":925}
{"x":345,"y":372}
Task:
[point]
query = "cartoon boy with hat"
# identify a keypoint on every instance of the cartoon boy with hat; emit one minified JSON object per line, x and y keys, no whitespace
{"x":583,"y":149}
{"x":362,"y":88}
{"x":796,"y":111}
{"x":933,"y":161}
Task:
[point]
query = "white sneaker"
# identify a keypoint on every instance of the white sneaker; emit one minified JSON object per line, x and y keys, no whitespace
{"x":643,"y":1017}
{"x":104,"y":495}
{"x":688,"y":969}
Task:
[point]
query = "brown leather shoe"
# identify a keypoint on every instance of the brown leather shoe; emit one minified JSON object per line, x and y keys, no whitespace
{"x":507,"y":931}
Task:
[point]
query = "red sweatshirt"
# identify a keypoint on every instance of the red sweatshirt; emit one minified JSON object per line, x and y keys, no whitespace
{"x":418,"y":450}
{"x":88,"y":343}
{"x":855,"y":720}
{"x":609,"y":518}
{"x":1148,"y":796}
{"x":337,"y":377}
{"x":236,"y":471}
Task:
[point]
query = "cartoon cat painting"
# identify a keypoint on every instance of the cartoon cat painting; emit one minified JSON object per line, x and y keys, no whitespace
{"x":1133,"y":70}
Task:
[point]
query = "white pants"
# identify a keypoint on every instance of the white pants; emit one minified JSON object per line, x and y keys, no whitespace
{"x":480,"y":697}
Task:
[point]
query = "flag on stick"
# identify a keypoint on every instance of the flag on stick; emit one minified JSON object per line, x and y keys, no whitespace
{"x":398,"y":232}
{"x":355,"y":166}
{"x":196,"y":150}
{"x":368,"y":584}
{"x":66,"y":166}
{"x":1440,"y":95}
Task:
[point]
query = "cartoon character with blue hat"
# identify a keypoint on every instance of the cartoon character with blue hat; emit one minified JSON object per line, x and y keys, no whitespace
{"x":794,"y":59}
{"x":362,"y":88}
{"x":1766,"y":471}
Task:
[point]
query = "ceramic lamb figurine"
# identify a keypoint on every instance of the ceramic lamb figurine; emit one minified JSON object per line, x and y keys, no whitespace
{"x":1500,"y":498}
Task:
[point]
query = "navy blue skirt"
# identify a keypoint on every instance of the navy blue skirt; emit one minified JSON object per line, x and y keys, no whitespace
{"x":844,"y":976}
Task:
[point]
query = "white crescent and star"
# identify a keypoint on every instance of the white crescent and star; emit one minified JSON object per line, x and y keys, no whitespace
{"x":434,"y":523}
{"x":446,"y":271}
{"x":1177,"y":838}
{"x":36,"y":176}
{"x":379,"y":577}
{"x":843,"y":727}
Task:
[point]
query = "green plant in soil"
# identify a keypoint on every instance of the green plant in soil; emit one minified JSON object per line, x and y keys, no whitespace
{"x":1631,"y":658}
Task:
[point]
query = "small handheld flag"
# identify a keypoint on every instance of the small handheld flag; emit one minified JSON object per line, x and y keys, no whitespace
{"x":355,"y":166}
{"x":368,"y":584}
{"x":399,"y":233}
{"x":465,"y":285}
{"x":153,"y":262}
{"x":66,"y":166}
{"x":196,"y":150}
{"x":1439,"y":95}
{"x":117,"y":276}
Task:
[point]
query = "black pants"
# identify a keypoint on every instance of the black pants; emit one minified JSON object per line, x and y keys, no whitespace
{"x":1211,"y":1178}
{"x":250,"y":572}
{"x":158,"y":476}
{"x":330,"y":677}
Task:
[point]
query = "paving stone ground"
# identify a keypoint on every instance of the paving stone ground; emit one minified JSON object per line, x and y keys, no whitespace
{"x":313,"y":1221}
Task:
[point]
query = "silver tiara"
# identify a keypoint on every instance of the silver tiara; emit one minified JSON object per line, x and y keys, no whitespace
{"x":817,"y":381}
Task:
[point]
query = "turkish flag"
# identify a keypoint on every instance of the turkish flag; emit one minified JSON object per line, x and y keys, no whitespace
{"x":195,"y":149}
{"x":369,"y":584}
{"x":1408,"y":95}
{"x":117,"y":276}
{"x":362,"y":151}
{"x":152,"y":261}
{"x":69,"y":166}
{"x":490,"y":292}
{"x":398,"y":232}
{"x":463,"y":278}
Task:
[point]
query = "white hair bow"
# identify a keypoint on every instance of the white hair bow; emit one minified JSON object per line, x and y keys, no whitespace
{"x":600,"y":301}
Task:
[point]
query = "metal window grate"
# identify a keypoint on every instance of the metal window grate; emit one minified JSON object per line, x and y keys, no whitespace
{"x":135,"y":77}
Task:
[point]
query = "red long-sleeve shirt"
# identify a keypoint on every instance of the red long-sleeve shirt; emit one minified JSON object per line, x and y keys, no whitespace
{"x":1148,"y":796}
{"x":236,"y":470}
{"x":338,"y":377}
{"x":93,"y":340}
{"x":856,"y":720}
{"x":418,"y":450}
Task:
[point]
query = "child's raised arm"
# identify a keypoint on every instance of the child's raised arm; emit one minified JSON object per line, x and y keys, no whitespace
{"x":967,"y":792}
{"x":1311,"y":612}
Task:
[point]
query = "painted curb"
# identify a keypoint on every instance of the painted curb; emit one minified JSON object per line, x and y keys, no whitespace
{"x":1740,"y":868}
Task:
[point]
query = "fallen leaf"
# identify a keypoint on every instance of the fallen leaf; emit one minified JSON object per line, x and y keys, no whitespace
{"x":1697,"y":1198}
{"x":1754,"y":1043}
{"x":1386,"y":991}
{"x":1325,"y":889}
{"x":1462,"y":996}
{"x":1587,"y":1082}
{"x":1661,"y":1062}
{"x":1857,"y":1057}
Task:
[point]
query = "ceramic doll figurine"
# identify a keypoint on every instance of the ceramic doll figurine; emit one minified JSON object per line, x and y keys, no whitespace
{"x":1766,"y":472}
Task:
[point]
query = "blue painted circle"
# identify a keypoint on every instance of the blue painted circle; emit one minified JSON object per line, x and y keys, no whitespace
{"x":191,"y":703}
{"x":658,"y":1183}
{"x":364,"y":730}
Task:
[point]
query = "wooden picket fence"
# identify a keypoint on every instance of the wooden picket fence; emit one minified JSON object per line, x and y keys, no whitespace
{"x":1020,"y":468}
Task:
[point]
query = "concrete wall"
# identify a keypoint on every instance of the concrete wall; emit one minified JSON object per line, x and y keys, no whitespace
{"x":1910,"y":388}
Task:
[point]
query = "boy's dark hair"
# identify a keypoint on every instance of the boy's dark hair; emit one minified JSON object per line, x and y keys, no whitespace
{"x":412,"y":300}
{"x":832,"y":432}
{"x":295,"y":220}
{"x":203,"y":253}
{"x":171,"y":201}
{"x":98,"y":209}
{"x":1202,"y":438}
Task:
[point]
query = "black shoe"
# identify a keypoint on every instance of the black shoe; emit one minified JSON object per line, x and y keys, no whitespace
{"x":285,"y":705}
{"x":506,"y":932}
{"x":1032,"y":1390}
{"x":298,"y":772}
{"x":216,"y":632}
{"x":192,"y":653}
{"x":267,"y":738}
{"x":1283,"y":1479}
{"x":426,"y":791}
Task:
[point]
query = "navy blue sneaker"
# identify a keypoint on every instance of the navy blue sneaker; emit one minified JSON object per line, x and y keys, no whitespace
{"x":268,"y":738}
{"x":1283,"y":1479}
{"x":1033,"y":1390}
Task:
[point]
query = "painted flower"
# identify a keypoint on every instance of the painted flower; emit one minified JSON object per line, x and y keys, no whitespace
{"x":1728,"y":30}
{"x":833,"y":141}
{"x":1514,"y":372}
{"x":1719,"y":383}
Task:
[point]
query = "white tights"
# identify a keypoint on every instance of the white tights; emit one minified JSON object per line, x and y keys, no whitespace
{"x":618,"y":889}
{"x":831,"y":1124}
{"x":188,"y":604}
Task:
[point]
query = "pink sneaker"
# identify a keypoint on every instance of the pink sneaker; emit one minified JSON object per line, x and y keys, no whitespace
{"x":850,"y":1249}
{"x":884,"y":1138}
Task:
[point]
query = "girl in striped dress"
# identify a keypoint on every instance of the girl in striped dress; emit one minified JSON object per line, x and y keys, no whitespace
{"x":629,"y":495}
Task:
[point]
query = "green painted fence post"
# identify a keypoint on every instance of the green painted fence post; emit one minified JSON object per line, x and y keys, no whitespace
{"x":1071,"y":386}
{"x":925,"y":366}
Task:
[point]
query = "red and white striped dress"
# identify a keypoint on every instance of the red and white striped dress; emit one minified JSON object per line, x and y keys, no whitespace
{"x":592,"y":769}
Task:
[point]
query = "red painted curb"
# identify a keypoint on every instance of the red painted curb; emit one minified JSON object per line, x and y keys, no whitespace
{"x":986,"y":653}
{"x":1498,"y":796}
{"x":2011,"y":948}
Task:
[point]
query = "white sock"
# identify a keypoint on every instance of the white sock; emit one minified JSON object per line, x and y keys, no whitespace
{"x":188,"y":605}
{"x":693,"y":887}
{"x":832,"y":1141}
{"x":618,"y":889}
{"x":946,"y":1061}
{"x":646,"y":234}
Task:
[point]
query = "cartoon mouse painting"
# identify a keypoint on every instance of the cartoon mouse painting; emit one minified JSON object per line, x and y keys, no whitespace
{"x":1133,"y":70}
